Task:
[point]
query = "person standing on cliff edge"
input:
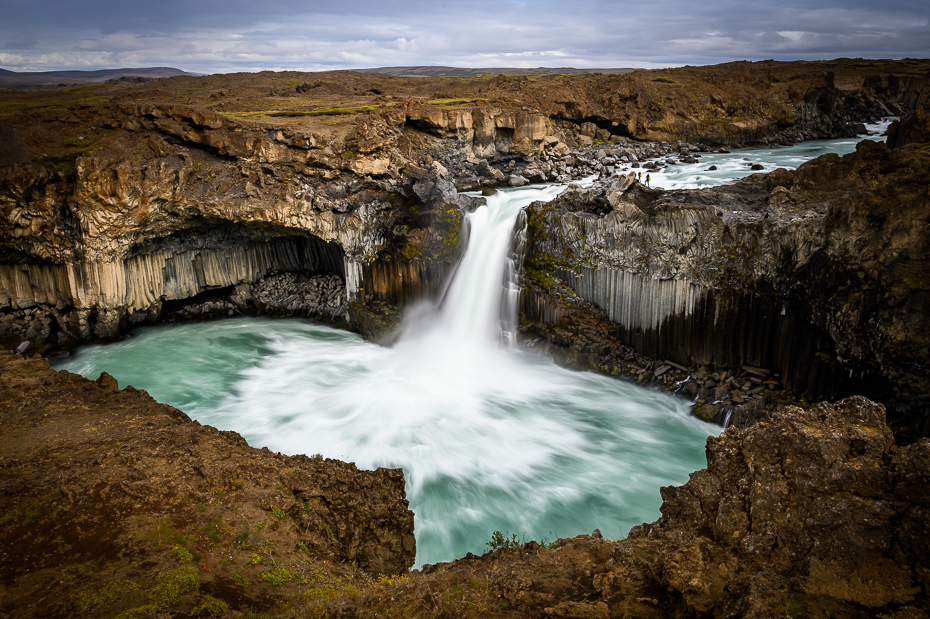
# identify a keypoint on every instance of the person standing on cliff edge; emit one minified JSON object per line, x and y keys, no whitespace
{"x":648,"y":178}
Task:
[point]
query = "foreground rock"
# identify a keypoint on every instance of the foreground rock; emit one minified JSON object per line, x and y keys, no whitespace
{"x":115,"y":505}
{"x":111,"y":501}
{"x":814,"y":514}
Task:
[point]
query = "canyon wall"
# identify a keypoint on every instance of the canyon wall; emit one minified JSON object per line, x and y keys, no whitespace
{"x":819,"y":275}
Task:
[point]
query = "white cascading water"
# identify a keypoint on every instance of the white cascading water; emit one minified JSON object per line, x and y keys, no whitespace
{"x":489,"y":437}
{"x":480,"y":306}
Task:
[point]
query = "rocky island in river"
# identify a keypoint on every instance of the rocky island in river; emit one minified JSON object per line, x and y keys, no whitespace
{"x":336,"y":197}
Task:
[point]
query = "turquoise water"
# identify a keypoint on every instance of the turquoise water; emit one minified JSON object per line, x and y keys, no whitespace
{"x":489,"y":437}
{"x":734,"y":165}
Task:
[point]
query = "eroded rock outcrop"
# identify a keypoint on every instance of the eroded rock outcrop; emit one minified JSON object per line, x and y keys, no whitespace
{"x":102,"y":486}
{"x":813,"y":502}
{"x":177,"y":203}
{"x":817,"y":274}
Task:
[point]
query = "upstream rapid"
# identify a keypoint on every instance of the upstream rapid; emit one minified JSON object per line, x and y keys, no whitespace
{"x":490,"y":437}
{"x":737,"y":164}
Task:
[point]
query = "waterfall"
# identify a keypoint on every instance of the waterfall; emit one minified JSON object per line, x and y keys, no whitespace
{"x":480,"y":307}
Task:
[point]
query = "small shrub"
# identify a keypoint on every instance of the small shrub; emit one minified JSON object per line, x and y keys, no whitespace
{"x":794,"y":609}
{"x":280,"y":514}
{"x":211,"y":606}
{"x":320,"y":594}
{"x":93,"y":599}
{"x":182,"y":554}
{"x":239,"y":578}
{"x":385,"y":579}
{"x":242,"y":539}
{"x":277,"y":576}
{"x":172,"y":585}
{"x":137,"y":613}
{"x":499,"y":541}
{"x":31,"y":517}
{"x":255,"y":559}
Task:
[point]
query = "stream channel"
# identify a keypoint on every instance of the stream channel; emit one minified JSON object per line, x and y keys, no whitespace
{"x":490,"y":437}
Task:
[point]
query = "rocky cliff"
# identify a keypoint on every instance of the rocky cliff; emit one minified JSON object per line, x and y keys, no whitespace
{"x":169,"y":203}
{"x":157,"y":191}
{"x":818,"y":275}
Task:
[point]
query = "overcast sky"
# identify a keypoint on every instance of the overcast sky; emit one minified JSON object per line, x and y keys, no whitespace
{"x":211,"y":36}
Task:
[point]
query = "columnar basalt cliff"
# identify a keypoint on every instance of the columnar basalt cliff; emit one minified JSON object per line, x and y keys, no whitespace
{"x":820,"y":275}
{"x":174,"y":203}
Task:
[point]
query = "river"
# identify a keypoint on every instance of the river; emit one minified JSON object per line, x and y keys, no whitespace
{"x":737,"y":164}
{"x":490,"y":437}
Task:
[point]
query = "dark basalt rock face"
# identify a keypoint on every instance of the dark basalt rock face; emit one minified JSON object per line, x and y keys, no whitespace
{"x":821,"y":274}
{"x":914,"y":127}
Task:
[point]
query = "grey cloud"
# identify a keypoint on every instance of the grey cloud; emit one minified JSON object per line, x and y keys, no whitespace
{"x":235,"y":35}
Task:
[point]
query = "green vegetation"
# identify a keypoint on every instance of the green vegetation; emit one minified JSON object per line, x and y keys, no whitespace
{"x":84,"y":89}
{"x":239,"y":578}
{"x":333,"y":111}
{"x":74,"y":147}
{"x":91,"y":600}
{"x":453,"y":101}
{"x":280,"y":514}
{"x":794,"y":609}
{"x":388,"y":580}
{"x":500,"y":542}
{"x":277,"y":576}
{"x":172,"y":585}
{"x":211,"y":606}
{"x":320,"y":594}
{"x":182,"y":554}
{"x":33,"y":105}
{"x":31,"y":517}
{"x":665,"y":80}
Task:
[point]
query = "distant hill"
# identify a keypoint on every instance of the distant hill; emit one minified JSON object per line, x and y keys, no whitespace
{"x":433,"y":71}
{"x":52,"y":78}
